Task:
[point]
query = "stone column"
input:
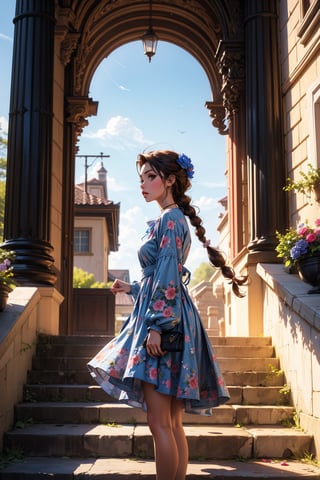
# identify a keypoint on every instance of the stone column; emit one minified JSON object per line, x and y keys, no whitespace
{"x":265,"y":155}
{"x":28,"y":195}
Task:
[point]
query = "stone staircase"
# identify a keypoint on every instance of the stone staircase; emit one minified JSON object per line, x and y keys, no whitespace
{"x":68,"y":428}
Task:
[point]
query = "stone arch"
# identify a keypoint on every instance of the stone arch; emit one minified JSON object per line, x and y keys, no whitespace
{"x":94,"y":30}
{"x":58,"y":46}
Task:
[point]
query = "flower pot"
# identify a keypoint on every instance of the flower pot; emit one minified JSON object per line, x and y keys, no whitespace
{"x":309,"y":271}
{"x":4,"y":294}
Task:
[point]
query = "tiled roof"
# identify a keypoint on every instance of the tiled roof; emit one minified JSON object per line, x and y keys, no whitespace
{"x":84,"y":198}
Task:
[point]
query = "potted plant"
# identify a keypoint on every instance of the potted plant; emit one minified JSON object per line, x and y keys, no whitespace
{"x":6,"y":275}
{"x":310,"y":182}
{"x":300,"y":248}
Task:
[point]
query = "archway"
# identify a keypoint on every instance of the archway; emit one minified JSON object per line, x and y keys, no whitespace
{"x":62,"y":44}
{"x":147,"y":106}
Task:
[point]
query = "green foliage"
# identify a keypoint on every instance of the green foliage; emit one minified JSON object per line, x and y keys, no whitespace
{"x":202,"y":273}
{"x":83,"y":279}
{"x":11,"y":455}
{"x":307,"y":182}
{"x":286,"y":241}
{"x":6,"y":269}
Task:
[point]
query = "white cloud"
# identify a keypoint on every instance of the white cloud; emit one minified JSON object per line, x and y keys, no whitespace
{"x":114,"y":186}
{"x":221,"y":184}
{"x":3,"y":125}
{"x":119,"y":133}
{"x":5,"y":37}
{"x":123,"y":88}
{"x":132,"y":226}
{"x":206,"y":203}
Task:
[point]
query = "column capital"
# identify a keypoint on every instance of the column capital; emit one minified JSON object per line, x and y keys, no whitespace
{"x":78,"y":108}
{"x":231,"y":66}
{"x":217,"y":113}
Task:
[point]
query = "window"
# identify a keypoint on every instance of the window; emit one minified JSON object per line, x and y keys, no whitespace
{"x":310,"y":16}
{"x":82,"y":239}
{"x":313,"y":96}
{"x":305,"y":6}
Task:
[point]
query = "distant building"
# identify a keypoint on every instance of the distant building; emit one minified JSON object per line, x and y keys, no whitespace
{"x":96,"y":226}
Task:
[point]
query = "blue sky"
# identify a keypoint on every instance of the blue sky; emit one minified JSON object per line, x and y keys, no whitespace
{"x":142,"y":106}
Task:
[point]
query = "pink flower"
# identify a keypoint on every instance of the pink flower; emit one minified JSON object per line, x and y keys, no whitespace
{"x":178,"y":242}
{"x":158,"y":305}
{"x":113,"y":373}
{"x":167,"y":312}
{"x":193,"y":383}
{"x":134,"y":360}
{"x":170,"y":293}
{"x":311,"y":237}
{"x":303,"y":231}
{"x":317,"y":222}
{"x":170,"y":225}
{"x":153,"y":373}
{"x":168,"y":383}
{"x":164,"y":242}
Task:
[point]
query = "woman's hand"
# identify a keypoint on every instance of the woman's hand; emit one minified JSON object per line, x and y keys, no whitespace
{"x":119,"y":286}
{"x":153,"y":344}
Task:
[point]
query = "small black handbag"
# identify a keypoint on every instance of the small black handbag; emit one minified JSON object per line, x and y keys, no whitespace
{"x":170,"y":341}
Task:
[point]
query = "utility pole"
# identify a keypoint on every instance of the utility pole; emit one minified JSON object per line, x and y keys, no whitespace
{"x":86,"y":166}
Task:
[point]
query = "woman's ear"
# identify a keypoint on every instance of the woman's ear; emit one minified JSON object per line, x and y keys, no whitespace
{"x":170,"y":180}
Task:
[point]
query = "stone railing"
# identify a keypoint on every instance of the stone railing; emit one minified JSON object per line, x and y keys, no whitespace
{"x":291,"y":317}
{"x":29,"y":311}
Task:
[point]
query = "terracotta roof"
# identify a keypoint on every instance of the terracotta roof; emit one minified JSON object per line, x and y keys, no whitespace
{"x":84,"y":198}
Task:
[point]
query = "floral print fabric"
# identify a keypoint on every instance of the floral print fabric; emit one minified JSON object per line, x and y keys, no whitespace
{"x":161,"y":303}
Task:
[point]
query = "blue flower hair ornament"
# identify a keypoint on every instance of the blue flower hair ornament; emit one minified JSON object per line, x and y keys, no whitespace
{"x":185,"y":162}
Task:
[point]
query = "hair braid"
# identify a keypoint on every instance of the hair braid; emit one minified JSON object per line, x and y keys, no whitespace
{"x":165,"y":163}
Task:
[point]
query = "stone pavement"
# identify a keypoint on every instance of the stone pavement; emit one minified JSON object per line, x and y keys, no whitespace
{"x":132,"y":469}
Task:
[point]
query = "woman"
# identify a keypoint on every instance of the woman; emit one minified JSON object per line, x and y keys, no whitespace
{"x":135,"y":367}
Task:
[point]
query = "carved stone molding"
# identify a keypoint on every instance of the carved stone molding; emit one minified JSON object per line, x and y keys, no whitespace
{"x":65,"y":31}
{"x":217,"y":113}
{"x":68,"y":46}
{"x":78,"y":108}
{"x":231,"y":66}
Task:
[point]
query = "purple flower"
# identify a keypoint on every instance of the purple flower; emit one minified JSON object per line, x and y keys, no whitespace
{"x":300,"y":248}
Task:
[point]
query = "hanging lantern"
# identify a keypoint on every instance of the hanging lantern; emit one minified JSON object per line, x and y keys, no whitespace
{"x":150,"y":39}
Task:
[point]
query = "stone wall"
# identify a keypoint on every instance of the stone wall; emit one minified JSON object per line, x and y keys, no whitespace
{"x":292,"y":318}
{"x":30,"y":311}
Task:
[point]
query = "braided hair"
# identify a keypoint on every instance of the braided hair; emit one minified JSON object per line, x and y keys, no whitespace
{"x":165,"y":163}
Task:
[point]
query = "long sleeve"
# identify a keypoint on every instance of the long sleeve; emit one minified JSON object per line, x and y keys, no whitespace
{"x":164,"y":310}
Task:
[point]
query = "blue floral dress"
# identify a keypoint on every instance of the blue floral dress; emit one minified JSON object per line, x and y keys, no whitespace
{"x":161,"y":303}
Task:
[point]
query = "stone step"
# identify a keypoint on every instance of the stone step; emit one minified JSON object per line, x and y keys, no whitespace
{"x":100,"y":340}
{"x":221,"y":351}
{"x":118,"y":413}
{"x":79,"y":377}
{"x":124,"y":441}
{"x":40,"y":468}
{"x":247,"y":395}
{"x":66,"y":364}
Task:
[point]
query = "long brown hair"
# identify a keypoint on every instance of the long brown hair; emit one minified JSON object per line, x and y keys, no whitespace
{"x":164,"y":162}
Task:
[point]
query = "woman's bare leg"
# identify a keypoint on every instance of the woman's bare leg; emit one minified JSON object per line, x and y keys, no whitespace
{"x":160,"y":424}
{"x":180,"y":437}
